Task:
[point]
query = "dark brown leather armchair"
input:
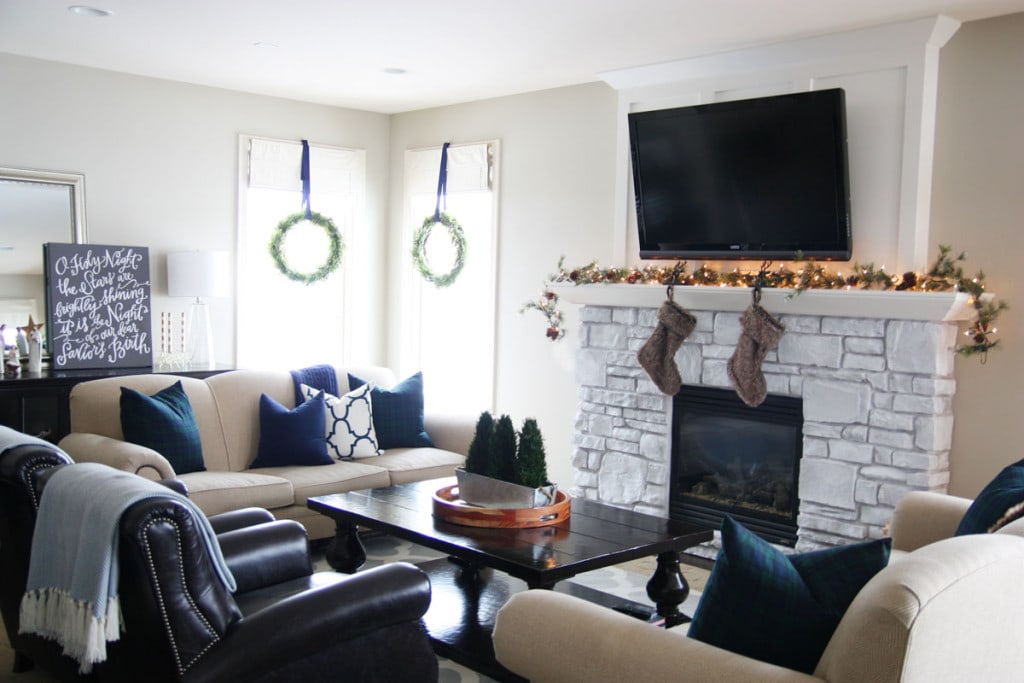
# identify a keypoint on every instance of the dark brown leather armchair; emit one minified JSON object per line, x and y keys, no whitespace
{"x":283,"y":623}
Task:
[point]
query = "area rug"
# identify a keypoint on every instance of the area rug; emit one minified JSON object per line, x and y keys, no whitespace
{"x":620,"y":580}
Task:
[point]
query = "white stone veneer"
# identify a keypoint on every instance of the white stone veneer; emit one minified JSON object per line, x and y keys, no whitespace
{"x":877,"y":402}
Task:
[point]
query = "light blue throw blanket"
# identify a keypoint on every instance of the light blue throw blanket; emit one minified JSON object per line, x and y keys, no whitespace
{"x":71,"y":594}
{"x":9,"y":438}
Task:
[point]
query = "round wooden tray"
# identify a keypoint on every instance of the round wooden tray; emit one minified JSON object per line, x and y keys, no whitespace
{"x":449,"y":508}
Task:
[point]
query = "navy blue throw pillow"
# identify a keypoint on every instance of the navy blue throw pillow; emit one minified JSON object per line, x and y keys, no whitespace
{"x":164,"y":422}
{"x":1001,"y":494}
{"x":781,"y":609}
{"x":398,"y":413}
{"x":292,"y":437}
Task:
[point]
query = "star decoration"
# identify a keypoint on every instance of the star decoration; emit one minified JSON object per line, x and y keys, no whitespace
{"x":31,"y":327}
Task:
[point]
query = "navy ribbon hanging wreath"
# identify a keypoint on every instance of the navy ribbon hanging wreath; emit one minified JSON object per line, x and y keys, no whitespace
{"x":304,"y":174}
{"x":455,"y":233}
{"x":442,"y":184}
{"x":335,"y":248}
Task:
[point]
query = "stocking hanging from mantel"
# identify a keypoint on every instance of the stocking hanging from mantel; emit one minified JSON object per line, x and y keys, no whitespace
{"x":657,"y":355}
{"x":759,"y":333}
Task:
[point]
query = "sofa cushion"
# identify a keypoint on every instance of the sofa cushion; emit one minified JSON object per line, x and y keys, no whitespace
{"x":351,"y":475}
{"x":398,"y":413}
{"x":291,"y":437}
{"x":780,"y":609}
{"x":406,"y":465}
{"x":990,"y":508}
{"x":164,"y":422}
{"x":348,"y":422}
{"x":216,"y":492}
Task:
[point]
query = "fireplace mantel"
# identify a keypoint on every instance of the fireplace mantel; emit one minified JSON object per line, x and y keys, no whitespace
{"x":857,"y":303}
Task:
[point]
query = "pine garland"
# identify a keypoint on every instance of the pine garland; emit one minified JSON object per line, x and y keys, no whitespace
{"x":946,"y":274}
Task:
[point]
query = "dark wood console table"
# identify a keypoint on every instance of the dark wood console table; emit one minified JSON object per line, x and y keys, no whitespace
{"x":37,"y":404}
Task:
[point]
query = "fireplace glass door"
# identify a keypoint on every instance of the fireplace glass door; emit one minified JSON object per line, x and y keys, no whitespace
{"x":729,"y":458}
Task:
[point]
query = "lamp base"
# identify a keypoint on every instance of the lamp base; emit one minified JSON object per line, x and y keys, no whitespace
{"x":200,"y":336}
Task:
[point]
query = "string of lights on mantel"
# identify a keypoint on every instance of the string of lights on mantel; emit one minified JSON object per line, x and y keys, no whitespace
{"x":946,"y":274}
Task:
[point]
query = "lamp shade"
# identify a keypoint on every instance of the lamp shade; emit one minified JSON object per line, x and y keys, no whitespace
{"x":198,"y":273}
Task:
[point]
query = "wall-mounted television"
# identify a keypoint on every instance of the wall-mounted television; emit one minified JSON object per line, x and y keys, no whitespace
{"x":761,"y":178}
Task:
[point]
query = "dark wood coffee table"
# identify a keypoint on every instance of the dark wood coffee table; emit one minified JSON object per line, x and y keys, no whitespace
{"x":467,"y":591}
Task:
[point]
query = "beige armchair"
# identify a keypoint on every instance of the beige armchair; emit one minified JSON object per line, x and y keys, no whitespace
{"x":945,"y":609}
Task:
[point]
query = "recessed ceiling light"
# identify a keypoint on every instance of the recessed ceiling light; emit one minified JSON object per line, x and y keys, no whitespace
{"x":86,"y":11}
{"x":264,"y":44}
{"x":394,"y":70}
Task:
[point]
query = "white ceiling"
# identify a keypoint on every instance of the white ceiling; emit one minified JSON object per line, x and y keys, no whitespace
{"x":336,"y":51}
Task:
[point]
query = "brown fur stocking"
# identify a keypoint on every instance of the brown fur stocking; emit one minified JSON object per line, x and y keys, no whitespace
{"x":657,"y":355}
{"x":761,"y":332}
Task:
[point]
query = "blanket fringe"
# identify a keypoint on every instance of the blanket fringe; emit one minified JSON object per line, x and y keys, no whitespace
{"x":55,"y":615}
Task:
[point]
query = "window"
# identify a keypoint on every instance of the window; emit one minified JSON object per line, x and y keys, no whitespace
{"x":448,"y":332}
{"x":284,"y":324}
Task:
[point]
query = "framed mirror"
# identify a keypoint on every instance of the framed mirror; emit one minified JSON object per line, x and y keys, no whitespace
{"x":36,"y":207}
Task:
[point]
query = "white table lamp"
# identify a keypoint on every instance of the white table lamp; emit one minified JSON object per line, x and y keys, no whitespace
{"x":199,"y":274}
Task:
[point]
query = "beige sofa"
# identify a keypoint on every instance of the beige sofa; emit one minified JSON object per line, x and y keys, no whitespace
{"x":226,"y":407}
{"x":945,"y":609}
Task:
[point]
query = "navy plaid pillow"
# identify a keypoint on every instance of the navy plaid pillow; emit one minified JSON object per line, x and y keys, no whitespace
{"x":164,"y":422}
{"x":398,"y":413}
{"x":780,"y":609}
{"x":1001,"y":494}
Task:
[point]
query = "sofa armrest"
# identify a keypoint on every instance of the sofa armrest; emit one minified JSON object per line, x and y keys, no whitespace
{"x":266,"y":554}
{"x":547,"y":637}
{"x":923,"y":517}
{"x":1015,"y":528}
{"x":307,"y":623}
{"x":451,"y":432}
{"x":121,"y":455}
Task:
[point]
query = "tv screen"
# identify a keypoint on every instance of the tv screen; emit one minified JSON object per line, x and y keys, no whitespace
{"x":762,"y":178}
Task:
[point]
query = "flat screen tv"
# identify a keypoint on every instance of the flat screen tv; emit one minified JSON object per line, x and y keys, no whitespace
{"x":762,"y":178}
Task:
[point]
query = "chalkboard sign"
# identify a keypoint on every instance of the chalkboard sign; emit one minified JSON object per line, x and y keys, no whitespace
{"x":98,"y":306}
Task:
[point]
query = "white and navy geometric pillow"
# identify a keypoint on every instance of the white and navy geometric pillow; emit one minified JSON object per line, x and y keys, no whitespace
{"x":349,"y":423}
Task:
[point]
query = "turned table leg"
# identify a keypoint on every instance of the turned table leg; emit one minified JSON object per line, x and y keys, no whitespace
{"x":668,"y":588}
{"x":345,"y":552}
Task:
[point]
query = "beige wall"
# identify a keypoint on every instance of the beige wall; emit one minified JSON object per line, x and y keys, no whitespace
{"x":160,"y":158}
{"x":978,"y":207}
{"x":556,"y":198}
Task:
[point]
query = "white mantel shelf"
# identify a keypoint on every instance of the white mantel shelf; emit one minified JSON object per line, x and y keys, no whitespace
{"x":857,"y":303}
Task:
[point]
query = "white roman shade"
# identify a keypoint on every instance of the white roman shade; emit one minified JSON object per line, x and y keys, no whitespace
{"x":276,"y":165}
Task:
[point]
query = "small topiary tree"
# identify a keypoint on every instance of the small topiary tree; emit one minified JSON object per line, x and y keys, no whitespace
{"x":531,"y":465}
{"x":503,"y":450}
{"x":478,"y":458}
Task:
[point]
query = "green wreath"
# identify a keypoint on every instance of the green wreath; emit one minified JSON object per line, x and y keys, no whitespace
{"x":419,"y":242}
{"x":334,"y":252}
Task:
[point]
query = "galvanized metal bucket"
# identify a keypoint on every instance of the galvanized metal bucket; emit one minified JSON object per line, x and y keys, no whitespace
{"x":476,"y":489}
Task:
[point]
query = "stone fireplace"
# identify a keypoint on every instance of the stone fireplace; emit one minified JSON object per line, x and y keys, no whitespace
{"x":874,"y":371}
